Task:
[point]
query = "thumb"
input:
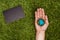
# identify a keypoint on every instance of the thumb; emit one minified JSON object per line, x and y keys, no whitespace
{"x":46,"y":21}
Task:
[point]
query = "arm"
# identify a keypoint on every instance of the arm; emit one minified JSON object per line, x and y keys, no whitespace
{"x":40,"y":31}
{"x":40,"y":35}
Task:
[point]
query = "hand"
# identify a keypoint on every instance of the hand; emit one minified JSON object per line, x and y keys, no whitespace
{"x":41,"y":14}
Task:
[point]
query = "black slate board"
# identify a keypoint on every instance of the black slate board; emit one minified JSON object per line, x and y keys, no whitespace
{"x":13,"y":14}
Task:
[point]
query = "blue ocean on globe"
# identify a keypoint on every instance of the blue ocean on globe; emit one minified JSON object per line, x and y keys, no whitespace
{"x":41,"y":22}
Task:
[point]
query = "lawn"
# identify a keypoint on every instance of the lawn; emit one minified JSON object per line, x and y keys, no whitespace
{"x":24,"y":28}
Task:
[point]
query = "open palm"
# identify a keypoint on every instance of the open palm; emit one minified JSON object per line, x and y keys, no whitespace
{"x":41,"y":14}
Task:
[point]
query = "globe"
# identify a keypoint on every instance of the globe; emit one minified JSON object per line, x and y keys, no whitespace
{"x":41,"y":22}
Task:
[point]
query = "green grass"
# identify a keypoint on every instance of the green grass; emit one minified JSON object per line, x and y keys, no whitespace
{"x":24,"y":29}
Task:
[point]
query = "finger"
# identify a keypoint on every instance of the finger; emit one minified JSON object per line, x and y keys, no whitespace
{"x":43,"y":13}
{"x":36,"y":24}
{"x":40,"y":13}
{"x":36,"y":16}
{"x":46,"y":19}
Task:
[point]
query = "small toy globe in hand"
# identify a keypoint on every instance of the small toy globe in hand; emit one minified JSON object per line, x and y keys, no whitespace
{"x":41,"y":22}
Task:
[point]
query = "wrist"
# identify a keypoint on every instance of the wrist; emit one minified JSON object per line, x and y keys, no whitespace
{"x":40,"y":35}
{"x":40,"y":32}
